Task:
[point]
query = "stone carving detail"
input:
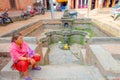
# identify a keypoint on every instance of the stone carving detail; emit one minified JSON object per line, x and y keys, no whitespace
{"x":66,"y":14}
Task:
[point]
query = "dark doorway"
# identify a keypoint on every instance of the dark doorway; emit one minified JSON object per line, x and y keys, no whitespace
{"x":93,"y":4}
{"x":48,"y":5}
{"x":74,"y":3}
{"x":12,"y":4}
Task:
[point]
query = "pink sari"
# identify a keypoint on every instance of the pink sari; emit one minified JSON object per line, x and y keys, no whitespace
{"x":16,"y":52}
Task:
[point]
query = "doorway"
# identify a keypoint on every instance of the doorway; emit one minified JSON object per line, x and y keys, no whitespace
{"x":74,"y":4}
{"x":12,"y":4}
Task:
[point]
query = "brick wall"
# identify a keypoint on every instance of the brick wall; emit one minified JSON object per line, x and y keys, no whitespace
{"x":4,"y":4}
{"x":20,"y":4}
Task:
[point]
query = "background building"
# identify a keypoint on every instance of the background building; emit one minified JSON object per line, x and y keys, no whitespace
{"x":15,"y":4}
{"x":77,"y":4}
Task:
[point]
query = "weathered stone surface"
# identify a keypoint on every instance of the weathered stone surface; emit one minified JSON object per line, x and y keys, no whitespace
{"x":27,"y":39}
{"x":8,"y":73}
{"x":59,"y":56}
{"x":66,"y":14}
{"x":105,"y":40}
{"x":5,"y":43}
{"x":108,"y":28}
{"x":67,"y":72}
{"x":104,"y":60}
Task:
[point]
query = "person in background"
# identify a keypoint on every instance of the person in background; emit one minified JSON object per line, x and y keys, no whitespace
{"x":24,"y":14}
{"x":5,"y":17}
{"x":23,"y":56}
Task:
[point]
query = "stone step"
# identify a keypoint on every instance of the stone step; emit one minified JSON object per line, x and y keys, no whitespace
{"x":5,"y":43}
{"x":58,"y":72}
{"x":66,"y":72}
{"x":105,"y":61}
{"x":31,"y":28}
{"x":59,"y":56}
{"x":7,"y":70}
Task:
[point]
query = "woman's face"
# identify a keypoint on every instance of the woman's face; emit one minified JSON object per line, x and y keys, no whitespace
{"x":19,"y":40}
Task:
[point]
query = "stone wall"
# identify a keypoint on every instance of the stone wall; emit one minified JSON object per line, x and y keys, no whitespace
{"x":99,"y":56}
{"x":108,"y":29}
{"x":97,"y":32}
{"x":105,"y":40}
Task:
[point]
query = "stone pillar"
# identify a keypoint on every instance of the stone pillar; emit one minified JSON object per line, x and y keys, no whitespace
{"x":77,"y":2}
{"x":113,"y":3}
{"x":39,"y":51}
{"x":87,"y":56}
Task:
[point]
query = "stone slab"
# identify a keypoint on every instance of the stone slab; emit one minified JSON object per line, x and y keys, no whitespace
{"x":67,"y":72}
{"x":108,"y":63}
{"x":5,"y":43}
{"x":4,"y":47}
{"x":8,"y":73}
{"x":27,"y":39}
{"x":114,"y":49}
{"x":60,"y":56}
{"x":105,"y":40}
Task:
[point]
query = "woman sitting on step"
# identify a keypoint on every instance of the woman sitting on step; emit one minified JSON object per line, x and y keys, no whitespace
{"x":23,"y":56}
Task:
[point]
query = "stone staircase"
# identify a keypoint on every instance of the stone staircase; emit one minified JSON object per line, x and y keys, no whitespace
{"x":30,"y":29}
{"x":105,"y":61}
{"x":66,"y":72}
{"x":60,"y":72}
{"x":63,"y":66}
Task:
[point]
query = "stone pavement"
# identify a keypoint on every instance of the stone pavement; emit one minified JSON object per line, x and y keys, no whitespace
{"x":67,"y":72}
{"x":64,"y":72}
{"x":59,"y":56}
{"x":106,"y":22}
{"x":65,"y":66}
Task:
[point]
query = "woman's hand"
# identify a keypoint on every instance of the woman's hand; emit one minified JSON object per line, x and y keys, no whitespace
{"x":32,"y":61}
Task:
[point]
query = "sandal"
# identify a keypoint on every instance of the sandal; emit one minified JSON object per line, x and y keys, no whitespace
{"x":37,"y":68}
{"x":28,"y":78}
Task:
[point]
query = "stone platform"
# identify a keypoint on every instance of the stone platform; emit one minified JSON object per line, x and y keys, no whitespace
{"x":101,"y":53}
{"x":67,"y":72}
